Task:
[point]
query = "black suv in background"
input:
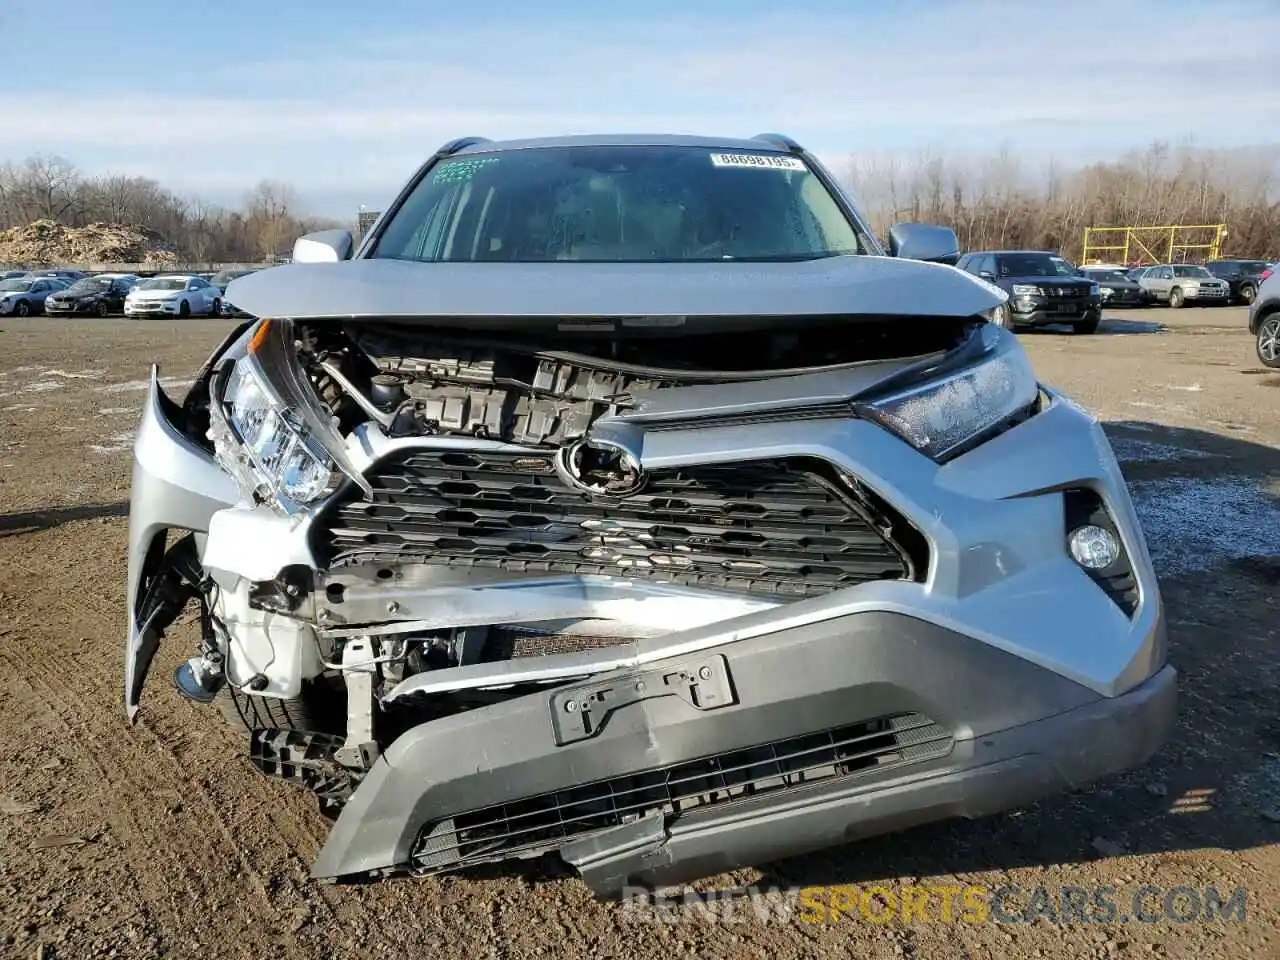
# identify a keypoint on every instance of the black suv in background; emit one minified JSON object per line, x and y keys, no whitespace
{"x":1043,"y":288}
{"x":1242,"y":276}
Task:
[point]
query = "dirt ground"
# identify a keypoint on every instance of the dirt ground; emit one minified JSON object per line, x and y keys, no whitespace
{"x":159,"y":839}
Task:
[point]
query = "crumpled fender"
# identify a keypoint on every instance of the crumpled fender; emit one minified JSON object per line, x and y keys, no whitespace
{"x":176,"y":485}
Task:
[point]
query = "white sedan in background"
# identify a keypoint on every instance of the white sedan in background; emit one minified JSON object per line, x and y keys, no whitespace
{"x":180,"y":295}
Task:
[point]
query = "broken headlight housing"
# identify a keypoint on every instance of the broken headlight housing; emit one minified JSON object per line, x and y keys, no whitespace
{"x":958,"y":408}
{"x":263,"y":445}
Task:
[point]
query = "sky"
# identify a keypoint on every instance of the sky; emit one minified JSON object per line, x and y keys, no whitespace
{"x":344,"y":100}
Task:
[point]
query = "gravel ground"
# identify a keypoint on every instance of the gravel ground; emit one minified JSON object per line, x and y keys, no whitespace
{"x":159,"y":840}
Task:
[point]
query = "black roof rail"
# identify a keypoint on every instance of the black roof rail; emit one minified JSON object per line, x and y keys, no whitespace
{"x":780,"y":140}
{"x":453,"y":146}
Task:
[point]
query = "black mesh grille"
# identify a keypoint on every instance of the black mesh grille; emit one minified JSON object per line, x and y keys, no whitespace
{"x":534,"y":824}
{"x":769,"y":526}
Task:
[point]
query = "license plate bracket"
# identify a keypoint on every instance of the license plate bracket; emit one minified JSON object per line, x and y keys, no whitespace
{"x":581,"y":712}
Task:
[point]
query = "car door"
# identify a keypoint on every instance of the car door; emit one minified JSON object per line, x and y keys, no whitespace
{"x":201,"y":290}
{"x":1158,"y":280}
{"x":35,"y":296}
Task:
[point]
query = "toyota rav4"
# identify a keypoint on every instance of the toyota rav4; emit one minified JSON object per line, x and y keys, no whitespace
{"x":623,"y":500}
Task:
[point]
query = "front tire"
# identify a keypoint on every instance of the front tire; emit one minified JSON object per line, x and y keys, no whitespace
{"x":23,"y":309}
{"x":215,"y":308}
{"x":101,"y":309}
{"x":1176,"y":298}
{"x":1248,"y":293}
{"x":184,"y":310}
{"x":1268,"y":344}
{"x":319,"y":708}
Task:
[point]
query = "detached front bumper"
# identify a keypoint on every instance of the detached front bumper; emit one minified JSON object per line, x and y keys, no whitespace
{"x":792,"y":741}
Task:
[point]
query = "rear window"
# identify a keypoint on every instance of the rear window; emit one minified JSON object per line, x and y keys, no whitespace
{"x":624,"y":204}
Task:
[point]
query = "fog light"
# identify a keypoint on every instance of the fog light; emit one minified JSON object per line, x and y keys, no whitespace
{"x":1094,"y":548}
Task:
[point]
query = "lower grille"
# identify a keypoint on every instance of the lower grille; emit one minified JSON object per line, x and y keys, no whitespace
{"x":539,"y":823}
{"x":776,"y":527}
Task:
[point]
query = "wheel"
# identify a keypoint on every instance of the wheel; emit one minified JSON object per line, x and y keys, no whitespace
{"x":1087,"y":325}
{"x":1248,"y":293}
{"x":1002,"y":317}
{"x":101,"y":308}
{"x":1176,"y":299}
{"x":216,"y":308}
{"x":184,"y":309}
{"x":1269,"y":340}
{"x":23,"y":309}
{"x":320,"y":708}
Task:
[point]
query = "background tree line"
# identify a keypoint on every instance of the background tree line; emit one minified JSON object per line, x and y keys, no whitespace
{"x":998,"y":202}
{"x":994,"y":201}
{"x":51,"y":188}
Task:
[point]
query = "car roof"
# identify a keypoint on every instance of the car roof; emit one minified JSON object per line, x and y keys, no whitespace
{"x":983,"y":253}
{"x":627,"y":140}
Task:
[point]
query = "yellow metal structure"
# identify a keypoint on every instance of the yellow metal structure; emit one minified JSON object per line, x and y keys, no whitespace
{"x":1133,"y":246}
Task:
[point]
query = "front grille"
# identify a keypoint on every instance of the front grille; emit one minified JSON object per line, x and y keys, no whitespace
{"x":777,"y":527}
{"x":533,"y":824}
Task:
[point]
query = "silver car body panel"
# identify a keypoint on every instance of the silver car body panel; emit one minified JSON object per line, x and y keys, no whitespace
{"x":176,"y":485}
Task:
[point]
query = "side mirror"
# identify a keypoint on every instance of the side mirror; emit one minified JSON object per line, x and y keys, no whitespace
{"x":986,"y":275}
{"x":326,"y":246}
{"x":924,"y":241}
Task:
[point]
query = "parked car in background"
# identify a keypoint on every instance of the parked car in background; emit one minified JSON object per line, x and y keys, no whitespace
{"x":179,"y":295}
{"x":1178,"y":284}
{"x":12,"y":274}
{"x":1043,"y":288}
{"x":23,"y":296}
{"x":1116,"y":289}
{"x":70,"y":275}
{"x":101,"y":295}
{"x":1264,"y":318}
{"x":1135,"y":274}
{"x":223,"y":277}
{"x":1242,"y":276}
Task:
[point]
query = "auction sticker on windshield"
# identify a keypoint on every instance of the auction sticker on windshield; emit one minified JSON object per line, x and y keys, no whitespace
{"x":761,"y":161}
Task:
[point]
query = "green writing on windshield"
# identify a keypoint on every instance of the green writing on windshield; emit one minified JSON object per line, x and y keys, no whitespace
{"x":462,"y":169}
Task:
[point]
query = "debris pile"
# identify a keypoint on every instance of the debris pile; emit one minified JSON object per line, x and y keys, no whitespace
{"x":49,"y":243}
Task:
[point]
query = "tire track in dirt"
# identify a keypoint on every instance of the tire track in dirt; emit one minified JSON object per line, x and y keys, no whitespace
{"x":141,"y":753}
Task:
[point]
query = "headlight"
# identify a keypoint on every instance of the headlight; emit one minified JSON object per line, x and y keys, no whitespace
{"x":1025,"y":290}
{"x":944,"y":414}
{"x":263,"y":445}
{"x":1106,"y":291}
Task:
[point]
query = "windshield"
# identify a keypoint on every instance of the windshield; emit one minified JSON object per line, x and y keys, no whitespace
{"x":15,"y":286}
{"x":628,"y":204}
{"x":163,"y":283}
{"x":1198,"y":272}
{"x":1106,"y":276}
{"x":1034,"y":265}
{"x":90,"y":285}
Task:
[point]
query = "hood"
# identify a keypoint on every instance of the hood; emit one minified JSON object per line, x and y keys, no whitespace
{"x":1043,"y":281}
{"x":835,"y":286}
{"x":68,"y":295}
{"x":153,"y":294}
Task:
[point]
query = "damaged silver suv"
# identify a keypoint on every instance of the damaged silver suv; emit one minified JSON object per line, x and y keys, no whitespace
{"x":622,"y":500}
